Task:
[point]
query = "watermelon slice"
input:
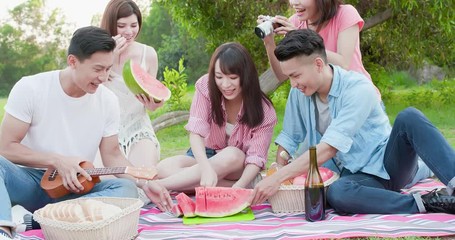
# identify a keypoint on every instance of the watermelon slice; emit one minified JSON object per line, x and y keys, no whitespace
{"x":186,"y":204}
{"x":140,"y":82}
{"x":176,"y":210}
{"x":221,"y":201}
{"x":327,"y":176}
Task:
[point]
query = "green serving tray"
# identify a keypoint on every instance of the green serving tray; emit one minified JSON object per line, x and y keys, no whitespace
{"x":245,"y":215}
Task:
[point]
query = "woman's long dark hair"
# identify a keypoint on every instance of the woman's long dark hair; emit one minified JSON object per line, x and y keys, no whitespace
{"x":328,"y":9}
{"x":235,"y":59}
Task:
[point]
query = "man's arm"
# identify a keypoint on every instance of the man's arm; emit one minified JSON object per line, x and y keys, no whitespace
{"x":113,"y":157}
{"x":271,"y":184}
{"x":13,"y":131}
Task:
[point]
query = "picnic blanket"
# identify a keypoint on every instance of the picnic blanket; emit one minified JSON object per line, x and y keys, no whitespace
{"x":154,"y":224}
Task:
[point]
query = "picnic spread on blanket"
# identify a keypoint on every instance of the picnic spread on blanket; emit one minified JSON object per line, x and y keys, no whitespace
{"x":261,"y":222}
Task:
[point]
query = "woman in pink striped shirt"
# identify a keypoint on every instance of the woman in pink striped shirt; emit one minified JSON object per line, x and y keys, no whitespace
{"x":230,"y":126}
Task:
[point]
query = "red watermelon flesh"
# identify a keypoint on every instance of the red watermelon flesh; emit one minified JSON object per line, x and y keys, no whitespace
{"x":176,"y":210}
{"x":186,"y":204}
{"x":221,"y":201}
{"x":326,"y":175}
{"x":140,"y":82}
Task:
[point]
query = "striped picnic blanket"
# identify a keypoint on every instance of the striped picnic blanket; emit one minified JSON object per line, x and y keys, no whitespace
{"x":154,"y":224}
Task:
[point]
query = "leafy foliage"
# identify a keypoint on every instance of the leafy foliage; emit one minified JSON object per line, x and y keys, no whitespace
{"x":419,"y":29}
{"x":176,"y":82}
{"x":226,"y":21}
{"x":31,"y":42}
{"x":173,"y":41}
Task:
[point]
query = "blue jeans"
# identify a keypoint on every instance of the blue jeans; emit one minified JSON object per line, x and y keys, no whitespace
{"x":21,"y":185}
{"x":208,"y":151}
{"x":412,"y":134}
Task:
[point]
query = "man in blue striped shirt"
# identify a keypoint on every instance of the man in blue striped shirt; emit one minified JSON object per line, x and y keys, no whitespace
{"x":340,"y":113}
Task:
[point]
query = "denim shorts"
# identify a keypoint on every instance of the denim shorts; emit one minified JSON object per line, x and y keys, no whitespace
{"x":210,"y":152}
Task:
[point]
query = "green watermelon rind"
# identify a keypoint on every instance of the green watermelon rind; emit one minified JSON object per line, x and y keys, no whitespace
{"x":135,"y":87}
{"x":236,"y":196}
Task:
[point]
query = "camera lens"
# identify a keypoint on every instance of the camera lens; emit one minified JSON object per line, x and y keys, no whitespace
{"x":263,"y":29}
{"x":259,"y":32}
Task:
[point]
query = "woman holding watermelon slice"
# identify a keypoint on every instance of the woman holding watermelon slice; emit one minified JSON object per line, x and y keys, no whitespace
{"x":123,"y":20}
{"x":230,"y":126}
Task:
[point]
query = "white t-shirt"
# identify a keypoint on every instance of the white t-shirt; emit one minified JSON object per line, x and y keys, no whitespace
{"x":59,"y":123}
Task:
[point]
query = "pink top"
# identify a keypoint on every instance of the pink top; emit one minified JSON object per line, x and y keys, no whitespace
{"x":346,"y":17}
{"x":254,"y":142}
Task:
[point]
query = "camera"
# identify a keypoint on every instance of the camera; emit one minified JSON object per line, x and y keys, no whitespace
{"x":266,"y":27}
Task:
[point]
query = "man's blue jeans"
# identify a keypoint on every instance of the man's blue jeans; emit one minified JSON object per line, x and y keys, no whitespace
{"x":412,"y":134}
{"x":21,"y":185}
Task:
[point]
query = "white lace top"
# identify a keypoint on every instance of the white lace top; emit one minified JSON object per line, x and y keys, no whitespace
{"x":135,"y":123}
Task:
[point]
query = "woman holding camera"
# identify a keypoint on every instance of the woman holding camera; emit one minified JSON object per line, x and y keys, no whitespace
{"x":339,"y":25}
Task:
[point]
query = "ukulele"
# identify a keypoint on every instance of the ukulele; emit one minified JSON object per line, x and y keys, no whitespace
{"x":52,"y":183}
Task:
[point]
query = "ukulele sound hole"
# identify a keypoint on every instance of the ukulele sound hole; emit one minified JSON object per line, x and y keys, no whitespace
{"x":53,"y":175}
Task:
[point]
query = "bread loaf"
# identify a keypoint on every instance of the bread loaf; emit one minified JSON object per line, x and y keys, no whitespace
{"x":87,"y":210}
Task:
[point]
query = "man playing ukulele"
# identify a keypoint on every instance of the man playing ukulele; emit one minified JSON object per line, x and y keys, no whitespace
{"x":58,"y":120}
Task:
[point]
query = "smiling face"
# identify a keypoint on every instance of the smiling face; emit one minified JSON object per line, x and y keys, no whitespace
{"x":87,"y":75}
{"x":306,"y":10}
{"x":128,"y":27}
{"x":305,"y":73}
{"x":228,"y":84}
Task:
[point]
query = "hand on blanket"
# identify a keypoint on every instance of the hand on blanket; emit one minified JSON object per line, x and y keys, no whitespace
{"x":264,"y":189}
{"x":159,"y":195}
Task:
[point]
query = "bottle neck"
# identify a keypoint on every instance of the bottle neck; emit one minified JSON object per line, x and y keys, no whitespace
{"x":313,"y":158}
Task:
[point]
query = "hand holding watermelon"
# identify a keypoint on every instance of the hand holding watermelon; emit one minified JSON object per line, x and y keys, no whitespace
{"x":140,"y":82}
{"x":209,"y":178}
{"x":148,"y":103}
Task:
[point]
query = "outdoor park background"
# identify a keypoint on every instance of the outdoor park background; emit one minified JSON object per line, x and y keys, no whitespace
{"x":407,"y":47}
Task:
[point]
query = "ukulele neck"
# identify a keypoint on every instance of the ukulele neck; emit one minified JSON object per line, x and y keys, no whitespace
{"x":106,"y":171}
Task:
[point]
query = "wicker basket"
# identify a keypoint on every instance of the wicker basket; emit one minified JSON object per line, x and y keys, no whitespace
{"x":122,"y":226}
{"x":291,"y":198}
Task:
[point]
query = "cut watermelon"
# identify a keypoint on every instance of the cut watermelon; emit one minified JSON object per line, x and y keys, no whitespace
{"x":221,"y":201}
{"x":186,"y":204}
{"x":176,"y":210}
{"x":326,"y":175}
{"x":140,"y":82}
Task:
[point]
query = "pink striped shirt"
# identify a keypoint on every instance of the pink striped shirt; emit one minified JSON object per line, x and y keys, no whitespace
{"x":254,"y":142}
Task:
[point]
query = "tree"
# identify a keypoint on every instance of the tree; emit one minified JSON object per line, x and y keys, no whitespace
{"x":31,"y":42}
{"x":402,"y":33}
{"x":172,"y":42}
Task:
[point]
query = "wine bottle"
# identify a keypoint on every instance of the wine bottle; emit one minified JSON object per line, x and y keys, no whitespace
{"x":314,"y":191}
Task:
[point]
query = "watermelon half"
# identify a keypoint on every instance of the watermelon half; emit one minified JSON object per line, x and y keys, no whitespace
{"x":140,"y":82}
{"x":327,"y":175}
{"x":221,"y":201}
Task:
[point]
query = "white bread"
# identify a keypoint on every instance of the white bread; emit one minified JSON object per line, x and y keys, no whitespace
{"x":95,"y":210}
{"x":87,"y":210}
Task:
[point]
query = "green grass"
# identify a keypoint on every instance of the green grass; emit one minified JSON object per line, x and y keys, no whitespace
{"x":174,"y":140}
{"x":2,"y":105}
